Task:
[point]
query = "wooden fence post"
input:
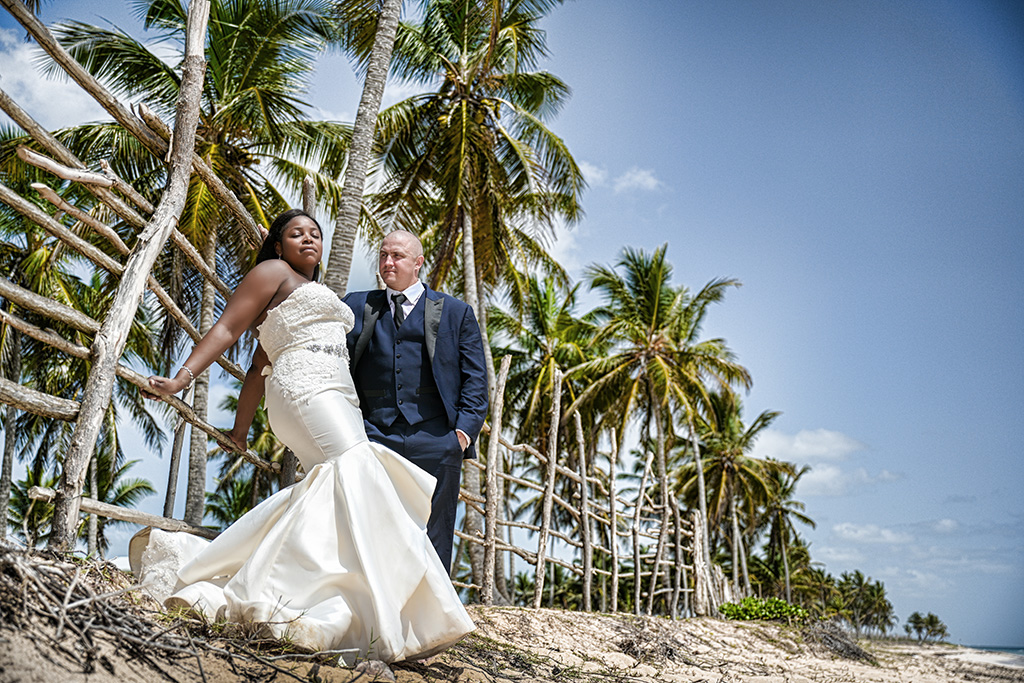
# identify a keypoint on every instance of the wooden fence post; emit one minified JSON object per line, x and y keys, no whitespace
{"x":491,"y":506}
{"x":637,"y":574}
{"x":613,"y":517}
{"x":588,"y":550}
{"x":549,"y":488}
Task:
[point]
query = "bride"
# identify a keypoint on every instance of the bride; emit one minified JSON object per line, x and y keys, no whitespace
{"x":340,"y":560}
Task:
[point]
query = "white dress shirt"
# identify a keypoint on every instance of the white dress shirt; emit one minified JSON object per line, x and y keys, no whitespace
{"x":412,"y":295}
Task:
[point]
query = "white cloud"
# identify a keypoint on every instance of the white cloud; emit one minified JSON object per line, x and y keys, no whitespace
{"x":915,"y":583}
{"x":596,"y":176}
{"x":824,"y":480}
{"x":838,"y":557}
{"x":637,"y":179}
{"x":806,"y":445}
{"x":822,"y":449}
{"x":870,"y":533}
{"x":945,"y":526}
{"x":53,"y":102}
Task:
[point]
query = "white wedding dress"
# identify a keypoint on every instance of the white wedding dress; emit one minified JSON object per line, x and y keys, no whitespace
{"x":341,"y":560}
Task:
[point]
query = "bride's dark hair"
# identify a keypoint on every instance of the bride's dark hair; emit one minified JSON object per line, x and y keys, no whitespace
{"x":273,"y":238}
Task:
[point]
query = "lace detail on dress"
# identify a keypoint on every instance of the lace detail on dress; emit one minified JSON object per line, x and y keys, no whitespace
{"x":304,"y":337}
{"x":301,"y":373}
{"x":161,"y":560}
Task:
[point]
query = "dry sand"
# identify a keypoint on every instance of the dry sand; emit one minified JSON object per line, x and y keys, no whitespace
{"x":41,"y":641}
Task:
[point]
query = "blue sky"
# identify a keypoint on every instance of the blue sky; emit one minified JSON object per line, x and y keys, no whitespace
{"x":859,"y":166}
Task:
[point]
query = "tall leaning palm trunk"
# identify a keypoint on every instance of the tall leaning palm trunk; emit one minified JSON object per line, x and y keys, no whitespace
{"x":473,"y":522}
{"x":346,"y":224}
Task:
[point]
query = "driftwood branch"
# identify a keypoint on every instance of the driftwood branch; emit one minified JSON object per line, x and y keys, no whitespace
{"x":37,"y":402}
{"x":92,"y":181}
{"x":490,"y":517}
{"x":102,"y":509}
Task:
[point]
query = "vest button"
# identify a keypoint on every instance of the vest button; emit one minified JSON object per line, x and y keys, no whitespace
{"x":398,"y":341}
{"x":399,"y":386}
{"x":398,"y":371}
{"x":398,"y":355}
{"x":399,"y":401}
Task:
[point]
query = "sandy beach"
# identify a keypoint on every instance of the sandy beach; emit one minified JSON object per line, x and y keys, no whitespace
{"x":78,"y":620}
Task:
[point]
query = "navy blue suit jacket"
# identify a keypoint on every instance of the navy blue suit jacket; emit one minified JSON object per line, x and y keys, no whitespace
{"x":454,"y":346}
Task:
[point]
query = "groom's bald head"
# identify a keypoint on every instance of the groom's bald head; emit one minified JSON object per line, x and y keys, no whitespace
{"x":400,"y":259}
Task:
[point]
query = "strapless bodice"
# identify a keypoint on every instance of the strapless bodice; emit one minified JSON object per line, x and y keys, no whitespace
{"x":311,"y":315}
{"x":304,"y":338}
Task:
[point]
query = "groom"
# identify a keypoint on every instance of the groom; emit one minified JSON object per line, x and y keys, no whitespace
{"x":418,"y":365}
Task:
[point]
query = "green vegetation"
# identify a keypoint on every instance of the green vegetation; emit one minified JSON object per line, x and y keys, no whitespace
{"x":928,"y":627}
{"x":768,"y":609}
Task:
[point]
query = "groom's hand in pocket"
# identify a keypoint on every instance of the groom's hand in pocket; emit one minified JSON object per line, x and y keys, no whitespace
{"x":463,"y":439}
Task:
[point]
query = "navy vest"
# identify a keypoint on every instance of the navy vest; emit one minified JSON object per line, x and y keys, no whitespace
{"x":394,"y":373}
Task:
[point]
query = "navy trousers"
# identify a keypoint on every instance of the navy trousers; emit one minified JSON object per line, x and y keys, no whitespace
{"x":434,"y":447}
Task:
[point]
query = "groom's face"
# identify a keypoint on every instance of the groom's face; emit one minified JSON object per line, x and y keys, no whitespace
{"x":400,"y":260}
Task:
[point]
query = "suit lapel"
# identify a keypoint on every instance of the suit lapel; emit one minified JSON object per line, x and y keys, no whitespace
{"x":431,"y":321}
{"x":375,"y":301}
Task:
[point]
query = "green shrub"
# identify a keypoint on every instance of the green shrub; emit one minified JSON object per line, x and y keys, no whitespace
{"x":750,"y":609}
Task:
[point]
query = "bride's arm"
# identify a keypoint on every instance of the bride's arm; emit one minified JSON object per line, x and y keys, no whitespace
{"x":249,"y":398}
{"x":252,"y":297}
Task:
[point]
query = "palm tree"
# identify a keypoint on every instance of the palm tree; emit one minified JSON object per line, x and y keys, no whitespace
{"x":229,"y":502}
{"x":264,"y":443}
{"x":735,"y":478}
{"x":545,"y":334}
{"x":916,"y":623}
{"x":780,"y":512}
{"x":472,"y":165}
{"x":854,"y":588}
{"x":657,"y":360}
{"x":369,"y":36}
{"x":879,"y":613}
{"x":30,"y":519}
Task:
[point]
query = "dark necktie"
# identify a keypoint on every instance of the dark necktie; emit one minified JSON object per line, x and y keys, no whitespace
{"x":399,"y":299}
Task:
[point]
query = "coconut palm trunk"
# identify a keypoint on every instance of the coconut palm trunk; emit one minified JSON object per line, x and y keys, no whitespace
{"x":473,"y":524}
{"x":347,"y":222}
{"x":195,"y":496}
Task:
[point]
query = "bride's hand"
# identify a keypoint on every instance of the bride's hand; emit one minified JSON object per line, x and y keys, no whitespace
{"x":241,"y":442}
{"x":163,"y":386}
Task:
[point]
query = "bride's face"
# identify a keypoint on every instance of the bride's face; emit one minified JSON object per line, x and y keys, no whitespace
{"x":301,"y":244}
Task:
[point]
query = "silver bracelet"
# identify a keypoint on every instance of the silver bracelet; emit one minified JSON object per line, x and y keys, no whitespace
{"x":192,"y":378}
